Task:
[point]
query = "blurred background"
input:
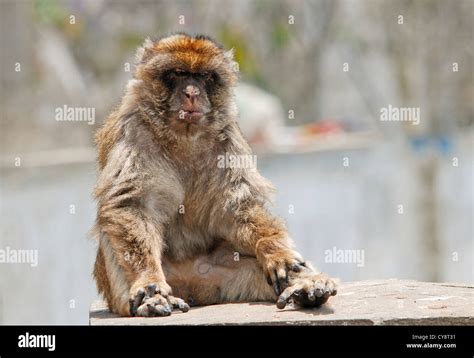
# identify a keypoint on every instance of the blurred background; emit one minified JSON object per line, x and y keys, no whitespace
{"x":315,"y":76}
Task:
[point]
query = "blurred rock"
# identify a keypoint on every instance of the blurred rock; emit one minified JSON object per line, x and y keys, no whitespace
{"x":261,"y":115}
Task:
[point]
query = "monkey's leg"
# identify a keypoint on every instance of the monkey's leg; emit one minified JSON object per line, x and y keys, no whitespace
{"x":224,"y":276}
{"x":100,"y":275}
{"x":219,"y":277}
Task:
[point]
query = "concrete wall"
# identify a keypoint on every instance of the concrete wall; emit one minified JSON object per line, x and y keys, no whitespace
{"x":350,"y":208}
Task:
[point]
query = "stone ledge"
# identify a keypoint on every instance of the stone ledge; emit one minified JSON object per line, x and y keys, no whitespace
{"x":375,"y":302}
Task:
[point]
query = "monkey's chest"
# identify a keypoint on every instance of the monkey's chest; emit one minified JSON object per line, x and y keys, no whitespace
{"x":198,"y":222}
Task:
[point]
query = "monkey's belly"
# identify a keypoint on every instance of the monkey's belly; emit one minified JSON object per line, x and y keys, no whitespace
{"x":183,"y":243}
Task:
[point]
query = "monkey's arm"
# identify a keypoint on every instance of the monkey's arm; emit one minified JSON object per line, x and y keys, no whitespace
{"x":257,"y":232}
{"x":130,"y":231}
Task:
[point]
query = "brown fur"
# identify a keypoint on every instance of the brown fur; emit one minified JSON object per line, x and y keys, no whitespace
{"x":153,"y":165}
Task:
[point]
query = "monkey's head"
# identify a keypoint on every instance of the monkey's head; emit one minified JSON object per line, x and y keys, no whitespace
{"x":186,"y":80}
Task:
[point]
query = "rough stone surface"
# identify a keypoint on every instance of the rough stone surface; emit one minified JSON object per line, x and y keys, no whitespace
{"x":377,"y":302}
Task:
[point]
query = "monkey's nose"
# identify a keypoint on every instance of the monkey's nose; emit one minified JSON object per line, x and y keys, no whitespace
{"x":191,"y":92}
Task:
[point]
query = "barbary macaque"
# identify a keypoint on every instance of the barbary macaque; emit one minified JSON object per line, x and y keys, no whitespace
{"x":174,"y":228}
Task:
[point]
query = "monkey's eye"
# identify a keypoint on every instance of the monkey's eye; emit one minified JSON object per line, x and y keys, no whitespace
{"x":173,"y":74}
{"x":207,"y":76}
{"x":179,"y":72}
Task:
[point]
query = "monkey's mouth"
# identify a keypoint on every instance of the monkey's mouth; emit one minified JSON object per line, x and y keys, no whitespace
{"x":190,"y":115}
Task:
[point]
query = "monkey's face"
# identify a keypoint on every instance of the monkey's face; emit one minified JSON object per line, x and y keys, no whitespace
{"x":188,"y":80}
{"x":189,"y":100}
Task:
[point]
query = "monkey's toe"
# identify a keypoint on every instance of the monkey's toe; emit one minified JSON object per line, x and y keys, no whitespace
{"x":308,"y":290}
{"x":156,"y":306}
{"x":178,"y":303}
{"x":148,"y":303}
{"x":159,"y":306}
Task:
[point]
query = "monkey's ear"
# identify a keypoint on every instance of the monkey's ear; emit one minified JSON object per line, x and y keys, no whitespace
{"x":229,"y":56}
{"x":143,"y":52}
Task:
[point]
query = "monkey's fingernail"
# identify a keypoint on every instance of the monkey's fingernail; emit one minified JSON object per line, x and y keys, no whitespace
{"x":295,"y":268}
{"x":151,"y":289}
{"x":167,"y":309}
{"x":319,"y":292}
{"x":281,"y":303}
{"x":136,"y":301}
{"x":159,"y":310}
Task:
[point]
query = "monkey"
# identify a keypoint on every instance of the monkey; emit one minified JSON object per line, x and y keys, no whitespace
{"x":174,"y":228}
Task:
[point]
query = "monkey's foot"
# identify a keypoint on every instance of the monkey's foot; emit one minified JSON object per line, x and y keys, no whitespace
{"x":308,"y":289}
{"x":147,"y":302}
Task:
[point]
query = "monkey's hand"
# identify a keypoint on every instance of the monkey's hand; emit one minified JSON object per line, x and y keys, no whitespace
{"x":152,"y":302}
{"x":307,"y":288}
{"x":277,"y":263}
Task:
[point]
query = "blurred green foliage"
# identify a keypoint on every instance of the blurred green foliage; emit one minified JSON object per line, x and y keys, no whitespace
{"x":130,"y":41}
{"x":280,"y":35}
{"x":242,"y":53}
{"x":50,"y":12}
{"x":54,"y":13}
